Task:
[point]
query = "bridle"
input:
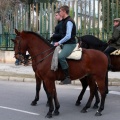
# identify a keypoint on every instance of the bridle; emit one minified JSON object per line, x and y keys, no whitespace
{"x":21,"y":55}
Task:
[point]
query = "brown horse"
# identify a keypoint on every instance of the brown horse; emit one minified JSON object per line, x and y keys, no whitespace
{"x":41,"y":52}
{"x":85,"y":82}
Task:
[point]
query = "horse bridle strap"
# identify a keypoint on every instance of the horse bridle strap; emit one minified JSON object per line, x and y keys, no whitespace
{"x":19,"y":46}
{"x":37,"y":54}
{"x":44,"y":57}
{"x":42,"y":53}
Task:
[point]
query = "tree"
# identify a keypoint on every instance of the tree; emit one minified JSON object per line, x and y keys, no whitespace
{"x":109,"y":12}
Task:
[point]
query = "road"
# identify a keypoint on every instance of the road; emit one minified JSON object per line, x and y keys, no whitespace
{"x":15,"y":99}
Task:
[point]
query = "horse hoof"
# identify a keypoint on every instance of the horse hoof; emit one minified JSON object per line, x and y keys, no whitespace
{"x":34,"y":103}
{"x":98,"y":113}
{"x":95,"y":107}
{"x":77,"y":103}
{"x":83,"y":111}
{"x":49,"y":115}
{"x":56,"y":113}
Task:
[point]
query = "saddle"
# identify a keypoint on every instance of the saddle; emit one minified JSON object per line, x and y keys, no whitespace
{"x":76,"y":53}
{"x":116,"y":52}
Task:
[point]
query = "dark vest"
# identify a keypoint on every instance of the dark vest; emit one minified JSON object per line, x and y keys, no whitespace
{"x":64,"y":28}
{"x":57,"y":36}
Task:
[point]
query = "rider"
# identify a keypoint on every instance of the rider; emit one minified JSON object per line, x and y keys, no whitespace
{"x":57,"y":35}
{"x":114,"y":42}
{"x":67,"y":42}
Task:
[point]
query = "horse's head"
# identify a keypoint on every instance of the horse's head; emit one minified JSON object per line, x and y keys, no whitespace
{"x":19,"y":46}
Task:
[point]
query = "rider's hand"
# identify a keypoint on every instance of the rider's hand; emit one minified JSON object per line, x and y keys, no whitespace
{"x":56,"y":44}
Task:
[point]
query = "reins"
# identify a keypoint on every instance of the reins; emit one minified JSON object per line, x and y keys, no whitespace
{"x":44,"y":57}
{"x":37,"y":54}
{"x":42,"y":53}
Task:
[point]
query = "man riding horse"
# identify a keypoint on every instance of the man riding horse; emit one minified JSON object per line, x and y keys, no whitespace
{"x":114,"y":41}
{"x":68,"y":41}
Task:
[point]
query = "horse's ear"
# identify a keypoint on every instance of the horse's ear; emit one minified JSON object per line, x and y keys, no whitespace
{"x":17,"y":32}
{"x":13,"y":40}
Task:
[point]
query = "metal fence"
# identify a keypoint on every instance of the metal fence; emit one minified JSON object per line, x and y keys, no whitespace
{"x":91,"y":17}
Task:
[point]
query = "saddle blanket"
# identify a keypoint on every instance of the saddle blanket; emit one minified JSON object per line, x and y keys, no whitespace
{"x":116,"y":52}
{"x":76,"y":55}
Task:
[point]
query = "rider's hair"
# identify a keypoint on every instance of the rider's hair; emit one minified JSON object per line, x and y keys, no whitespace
{"x":65,"y":8}
{"x":57,"y":11}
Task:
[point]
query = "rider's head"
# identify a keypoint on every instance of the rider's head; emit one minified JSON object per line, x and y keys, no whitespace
{"x":57,"y":15}
{"x":116,"y":22}
{"x":64,"y":11}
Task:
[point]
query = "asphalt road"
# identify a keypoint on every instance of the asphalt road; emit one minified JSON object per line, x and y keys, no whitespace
{"x":15,"y":99}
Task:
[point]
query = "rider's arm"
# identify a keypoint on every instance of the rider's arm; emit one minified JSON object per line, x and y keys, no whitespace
{"x":68,"y":32}
{"x":116,"y":35}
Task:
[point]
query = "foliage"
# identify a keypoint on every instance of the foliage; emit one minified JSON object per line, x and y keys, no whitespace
{"x":71,"y":13}
{"x":109,"y":12}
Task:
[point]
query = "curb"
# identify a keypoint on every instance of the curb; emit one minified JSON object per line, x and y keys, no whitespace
{"x":112,"y":81}
{"x":17,"y":79}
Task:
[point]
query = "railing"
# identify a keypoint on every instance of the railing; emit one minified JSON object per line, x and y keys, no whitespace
{"x":5,"y":41}
{"x":91,"y":17}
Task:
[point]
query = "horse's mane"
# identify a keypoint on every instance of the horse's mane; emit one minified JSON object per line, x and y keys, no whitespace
{"x":36,"y":34}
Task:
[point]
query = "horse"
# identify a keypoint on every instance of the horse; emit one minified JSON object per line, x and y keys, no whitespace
{"x":84,"y":82}
{"x":92,"y":42}
{"x":41,"y":53}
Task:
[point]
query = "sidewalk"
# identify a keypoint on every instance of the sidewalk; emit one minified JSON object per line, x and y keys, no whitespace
{"x":11,"y":72}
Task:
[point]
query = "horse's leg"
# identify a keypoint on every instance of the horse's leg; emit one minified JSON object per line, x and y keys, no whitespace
{"x":95,"y":106}
{"x":47,"y":104}
{"x":57,"y":105}
{"x":92,"y":86}
{"x":102,"y":89}
{"x":51,"y":92}
{"x":38,"y":86}
{"x":103,"y":96}
{"x":84,"y":82}
{"x":84,"y":86}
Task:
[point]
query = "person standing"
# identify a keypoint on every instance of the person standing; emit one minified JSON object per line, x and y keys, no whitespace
{"x":67,"y":42}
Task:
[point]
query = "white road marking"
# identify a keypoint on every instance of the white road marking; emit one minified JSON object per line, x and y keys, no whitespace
{"x":111,"y":92}
{"x":81,"y":88}
{"x":19,"y":110}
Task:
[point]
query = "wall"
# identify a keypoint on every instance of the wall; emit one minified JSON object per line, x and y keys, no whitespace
{"x":7,"y":56}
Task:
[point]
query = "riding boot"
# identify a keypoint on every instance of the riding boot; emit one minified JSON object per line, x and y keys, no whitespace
{"x":67,"y":79}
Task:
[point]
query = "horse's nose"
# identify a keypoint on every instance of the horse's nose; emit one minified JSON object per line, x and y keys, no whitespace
{"x":16,"y":56}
